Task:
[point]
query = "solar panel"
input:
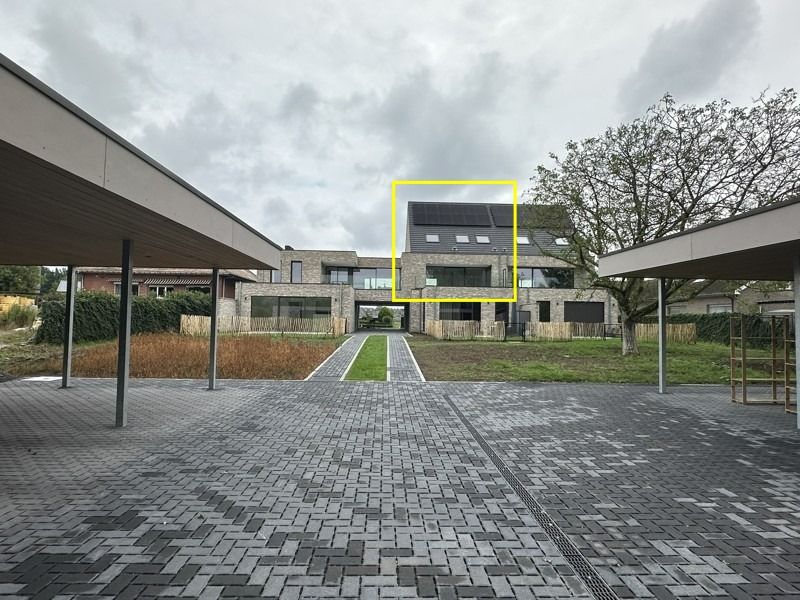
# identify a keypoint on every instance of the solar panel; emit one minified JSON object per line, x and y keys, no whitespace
{"x":503,"y":214}
{"x":429,"y":213}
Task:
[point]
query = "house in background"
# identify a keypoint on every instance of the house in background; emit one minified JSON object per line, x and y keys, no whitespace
{"x":163,"y":282}
{"x":725,"y":297}
{"x":452,"y":250}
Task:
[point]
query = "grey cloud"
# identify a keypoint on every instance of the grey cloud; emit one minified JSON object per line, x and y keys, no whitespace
{"x":442,"y":134}
{"x":688,"y":57}
{"x":83,"y":69}
{"x":299,"y":101}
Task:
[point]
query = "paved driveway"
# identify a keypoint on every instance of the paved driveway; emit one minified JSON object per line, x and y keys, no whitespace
{"x":339,"y":489}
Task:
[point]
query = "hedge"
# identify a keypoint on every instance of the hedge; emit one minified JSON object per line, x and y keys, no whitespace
{"x":716,"y":327}
{"x":97,"y":314}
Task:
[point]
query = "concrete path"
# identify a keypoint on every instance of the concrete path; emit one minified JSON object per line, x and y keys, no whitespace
{"x":337,"y":364}
{"x":401,"y":365}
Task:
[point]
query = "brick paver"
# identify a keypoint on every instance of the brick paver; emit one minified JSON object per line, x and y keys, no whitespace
{"x":337,"y":364}
{"x":402,"y":364}
{"x":343,"y":489}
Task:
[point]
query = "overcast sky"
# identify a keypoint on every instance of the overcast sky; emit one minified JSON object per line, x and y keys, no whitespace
{"x":297,"y":116}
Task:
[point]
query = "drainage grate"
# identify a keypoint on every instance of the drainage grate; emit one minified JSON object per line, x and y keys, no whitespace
{"x":582,"y":567}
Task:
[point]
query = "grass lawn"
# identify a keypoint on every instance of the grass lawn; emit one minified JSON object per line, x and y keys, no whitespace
{"x":597,"y":361}
{"x":169,"y":355}
{"x":370,"y":364}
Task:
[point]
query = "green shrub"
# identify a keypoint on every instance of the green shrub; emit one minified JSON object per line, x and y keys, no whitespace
{"x":97,"y":314}
{"x":716,"y":327}
{"x":18,"y":316}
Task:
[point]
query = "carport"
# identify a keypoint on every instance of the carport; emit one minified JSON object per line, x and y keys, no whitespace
{"x":763,"y":244}
{"x":73,"y":192}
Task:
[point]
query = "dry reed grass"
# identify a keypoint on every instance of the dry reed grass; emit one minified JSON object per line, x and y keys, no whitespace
{"x":164,"y":355}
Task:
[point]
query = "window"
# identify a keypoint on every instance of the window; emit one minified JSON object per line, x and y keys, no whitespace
{"x":160,"y":291}
{"x":339,"y":275}
{"x":562,"y":242}
{"x":462,"y":239}
{"x":297,"y":271}
{"x":458,"y":276}
{"x":289,"y":306}
{"x":432,"y":238}
{"x":275,"y":276}
{"x":544,"y":311}
{"x":523,"y":239}
{"x":718,"y":308}
{"x":482,"y":239}
{"x":531,"y":277}
{"x":460,"y":311}
{"x":134,"y":289}
{"x":203,"y":289}
{"x":364,"y":278}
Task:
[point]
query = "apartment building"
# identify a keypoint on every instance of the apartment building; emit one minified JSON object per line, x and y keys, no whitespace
{"x":452,"y":250}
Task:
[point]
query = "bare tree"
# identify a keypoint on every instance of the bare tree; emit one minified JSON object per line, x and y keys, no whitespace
{"x":674,"y":168}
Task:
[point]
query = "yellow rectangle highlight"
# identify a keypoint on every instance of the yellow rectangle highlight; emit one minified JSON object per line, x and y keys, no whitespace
{"x":396,"y":183}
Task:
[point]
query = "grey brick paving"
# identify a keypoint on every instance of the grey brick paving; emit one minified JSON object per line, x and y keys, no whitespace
{"x":335,"y":367}
{"x":328,"y":489}
{"x":402,"y":365}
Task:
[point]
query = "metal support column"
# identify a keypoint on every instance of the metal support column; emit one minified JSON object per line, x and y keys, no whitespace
{"x":796,"y":288}
{"x":124,"y":338}
{"x":212,"y":337}
{"x":662,"y":336}
{"x":69,"y":324}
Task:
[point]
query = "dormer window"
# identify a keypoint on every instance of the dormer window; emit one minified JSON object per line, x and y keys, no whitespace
{"x":462,"y":239}
{"x":432,"y":238}
{"x":523,"y":239}
{"x":482,"y":239}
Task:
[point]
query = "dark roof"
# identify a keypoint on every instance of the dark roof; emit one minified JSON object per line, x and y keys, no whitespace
{"x":446,"y":220}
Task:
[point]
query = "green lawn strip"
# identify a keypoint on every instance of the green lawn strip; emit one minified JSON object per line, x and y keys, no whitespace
{"x":596,"y":361}
{"x":370,"y":364}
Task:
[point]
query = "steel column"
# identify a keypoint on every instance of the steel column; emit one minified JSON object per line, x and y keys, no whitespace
{"x":662,"y":336}
{"x":124,"y":337}
{"x":69,"y":324}
{"x":796,"y":288}
{"x":212,"y":337}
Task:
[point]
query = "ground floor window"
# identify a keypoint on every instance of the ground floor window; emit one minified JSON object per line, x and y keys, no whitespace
{"x":290,"y":306}
{"x":160,"y":291}
{"x":134,"y":289}
{"x":584,"y":312}
{"x":460,"y":311}
{"x":718,"y":308}
{"x":544,"y":311}
{"x":198,"y":288}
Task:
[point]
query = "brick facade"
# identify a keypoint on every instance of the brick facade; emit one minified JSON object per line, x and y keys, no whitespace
{"x":344,"y":298}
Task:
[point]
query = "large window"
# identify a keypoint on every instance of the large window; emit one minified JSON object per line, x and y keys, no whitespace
{"x":460,"y":311}
{"x":289,"y":306}
{"x":459,"y":276}
{"x":363,"y":278}
{"x":134,"y":289}
{"x":297,"y":271}
{"x":530,"y":277}
{"x":160,"y":291}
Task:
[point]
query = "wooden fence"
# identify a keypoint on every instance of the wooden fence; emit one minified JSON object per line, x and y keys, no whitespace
{"x":199,"y":325}
{"x":681,"y":333}
{"x":6,"y":302}
{"x":465,"y":330}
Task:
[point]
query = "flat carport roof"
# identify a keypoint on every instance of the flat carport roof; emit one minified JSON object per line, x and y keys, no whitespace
{"x":71,"y":189}
{"x":762,"y":244}
{"x":73,"y":192}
